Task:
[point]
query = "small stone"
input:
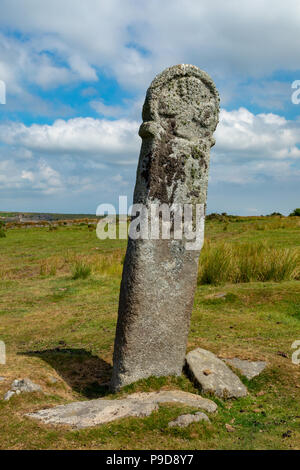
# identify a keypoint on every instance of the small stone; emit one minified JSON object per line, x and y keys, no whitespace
{"x":2,"y":379}
{"x":184,"y":420}
{"x":52,"y":380}
{"x":229,"y":428}
{"x":249,"y":369}
{"x":207,"y":372}
{"x":222,"y":382}
{"x":25,"y":385}
{"x":8,"y":395}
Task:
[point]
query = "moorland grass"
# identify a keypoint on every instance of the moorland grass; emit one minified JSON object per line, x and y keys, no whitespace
{"x":54,"y":326}
{"x":81,"y":270}
{"x":223,"y":262}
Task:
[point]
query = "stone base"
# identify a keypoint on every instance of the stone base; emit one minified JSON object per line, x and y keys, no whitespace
{"x":84,"y":414}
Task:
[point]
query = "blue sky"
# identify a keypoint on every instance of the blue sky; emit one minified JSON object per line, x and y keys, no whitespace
{"x":76,"y":74}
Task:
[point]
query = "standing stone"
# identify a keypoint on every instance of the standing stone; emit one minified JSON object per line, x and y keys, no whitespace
{"x":180,"y":114}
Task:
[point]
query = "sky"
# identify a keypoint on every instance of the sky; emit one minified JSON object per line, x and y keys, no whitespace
{"x":76,"y":74}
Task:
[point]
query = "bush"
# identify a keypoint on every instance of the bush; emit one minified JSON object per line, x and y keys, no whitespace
{"x":2,"y":229}
{"x":296,"y":212}
{"x":81,"y":270}
{"x":215,"y":216}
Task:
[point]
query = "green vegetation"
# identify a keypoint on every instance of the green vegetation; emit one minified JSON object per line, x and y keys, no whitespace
{"x":81,"y":270}
{"x":245,"y":262}
{"x":295,"y":213}
{"x":247,"y":304}
{"x":2,"y":229}
{"x":47,"y":215}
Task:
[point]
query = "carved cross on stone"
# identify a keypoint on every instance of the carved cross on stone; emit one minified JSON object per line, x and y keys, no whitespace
{"x":180,"y":114}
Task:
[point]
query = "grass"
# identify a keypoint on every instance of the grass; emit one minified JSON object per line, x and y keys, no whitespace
{"x":81,"y":270}
{"x":245,"y":262}
{"x":54,"y":326}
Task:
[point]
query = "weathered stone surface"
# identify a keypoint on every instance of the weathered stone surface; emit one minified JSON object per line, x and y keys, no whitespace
{"x":221,"y":381}
{"x":177,"y":396}
{"x":249,"y":369}
{"x":180,"y":115}
{"x":94,"y":412}
{"x":22,"y":385}
{"x":25,"y":385}
{"x":8,"y":395}
{"x":185,"y":420}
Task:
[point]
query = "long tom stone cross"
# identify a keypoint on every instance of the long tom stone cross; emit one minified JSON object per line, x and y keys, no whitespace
{"x":180,"y":114}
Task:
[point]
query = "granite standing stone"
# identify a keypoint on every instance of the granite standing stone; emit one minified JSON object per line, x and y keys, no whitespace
{"x":180,"y":114}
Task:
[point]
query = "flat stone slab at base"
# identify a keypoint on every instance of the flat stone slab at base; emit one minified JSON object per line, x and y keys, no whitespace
{"x":213,"y":375}
{"x":177,"y":396}
{"x":84,"y":414}
{"x":249,"y":369}
{"x":185,"y":420}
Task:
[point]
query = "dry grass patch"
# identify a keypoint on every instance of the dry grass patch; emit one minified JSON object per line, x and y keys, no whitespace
{"x":247,"y":262}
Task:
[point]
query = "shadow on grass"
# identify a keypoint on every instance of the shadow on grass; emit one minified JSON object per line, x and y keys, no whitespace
{"x":86,"y":374}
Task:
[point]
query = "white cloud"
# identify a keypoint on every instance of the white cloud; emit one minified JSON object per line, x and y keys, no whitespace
{"x":38,"y":178}
{"x":242,"y":135}
{"x":27,"y":175}
{"x":72,"y":153}
{"x":106,"y":110}
{"x":22,"y":63}
{"x":112,"y":141}
{"x":49,"y":44}
{"x":133,"y":41}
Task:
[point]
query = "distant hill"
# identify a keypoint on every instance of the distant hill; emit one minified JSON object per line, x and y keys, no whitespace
{"x":38,"y":216}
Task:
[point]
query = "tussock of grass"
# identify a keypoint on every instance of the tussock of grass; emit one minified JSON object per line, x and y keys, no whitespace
{"x":109,"y":264}
{"x":245,"y":262}
{"x":81,"y":270}
{"x":50,"y":266}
